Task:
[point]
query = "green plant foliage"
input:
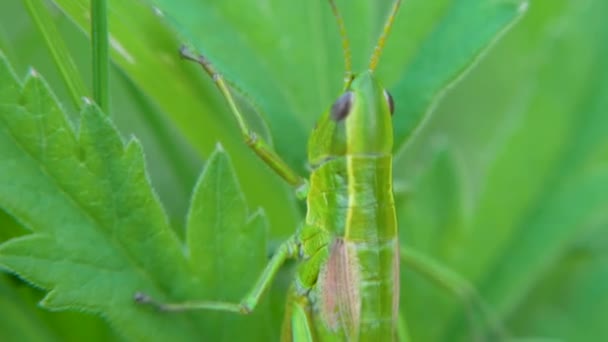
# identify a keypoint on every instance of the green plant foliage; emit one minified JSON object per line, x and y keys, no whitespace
{"x":505,"y":185}
{"x":99,"y":233}
{"x":530,"y":171}
{"x":222,"y":238}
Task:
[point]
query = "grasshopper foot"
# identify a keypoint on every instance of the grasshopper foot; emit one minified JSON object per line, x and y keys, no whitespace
{"x":144,"y":299}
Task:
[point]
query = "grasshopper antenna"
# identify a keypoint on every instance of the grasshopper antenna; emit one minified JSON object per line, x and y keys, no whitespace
{"x":345,"y":43}
{"x":373,"y":62}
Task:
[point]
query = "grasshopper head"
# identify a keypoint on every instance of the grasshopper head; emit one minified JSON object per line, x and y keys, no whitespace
{"x":358,"y":123}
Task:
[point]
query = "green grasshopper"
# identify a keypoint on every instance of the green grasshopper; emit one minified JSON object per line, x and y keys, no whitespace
{"x":347,"y":281}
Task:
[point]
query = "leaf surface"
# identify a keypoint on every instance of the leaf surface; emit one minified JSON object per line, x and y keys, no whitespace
{"x":99,"y":233}
{"x":227,"y":251}
{"x":532,"y":161}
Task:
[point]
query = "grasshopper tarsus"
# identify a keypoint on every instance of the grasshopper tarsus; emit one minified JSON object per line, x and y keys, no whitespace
{"x":243,"y":308}
{"x":141,"y":298}
{"x":187,"y":54}
{"x":144,"y":299}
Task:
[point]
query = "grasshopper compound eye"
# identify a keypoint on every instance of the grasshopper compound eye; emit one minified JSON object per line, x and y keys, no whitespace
{"x":389,"y":100}
{"x":341,"y":108}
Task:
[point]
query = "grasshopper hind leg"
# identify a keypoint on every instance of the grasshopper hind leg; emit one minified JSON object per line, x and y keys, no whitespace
{"x":297,"y":325}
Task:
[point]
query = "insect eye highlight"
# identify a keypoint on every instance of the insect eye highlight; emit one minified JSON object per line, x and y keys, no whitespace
{"x":389,"y":100}
{"x":341,"y":108}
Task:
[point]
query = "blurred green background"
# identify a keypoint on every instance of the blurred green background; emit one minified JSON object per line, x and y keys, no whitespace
{"x":506,"y":182}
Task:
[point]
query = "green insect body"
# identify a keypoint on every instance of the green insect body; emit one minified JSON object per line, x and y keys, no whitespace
{"x":349,"y":244}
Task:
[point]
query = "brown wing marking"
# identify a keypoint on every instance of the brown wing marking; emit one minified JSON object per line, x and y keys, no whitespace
{"x":339,"y":285}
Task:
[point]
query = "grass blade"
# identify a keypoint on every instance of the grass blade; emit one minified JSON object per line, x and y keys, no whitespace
{"x":43,"y":19}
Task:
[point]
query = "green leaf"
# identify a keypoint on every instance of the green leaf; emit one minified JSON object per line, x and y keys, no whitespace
{"x":564,"y":185}
{"x":436,"y":189}
{"x":99,"y":232}
{"x":571,"y":301}
{"x":452,"y":40}
{"x":227,"y":250}
{"x":84,"y":196}
{"x":432,"y":220}
{"x":533,"y":153}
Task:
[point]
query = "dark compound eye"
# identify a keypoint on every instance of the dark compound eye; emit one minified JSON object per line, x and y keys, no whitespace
{"x":341,"y":108}
{"x":389,"y":99}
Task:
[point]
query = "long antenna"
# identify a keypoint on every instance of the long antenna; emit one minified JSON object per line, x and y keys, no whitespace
{"x":345,"y":43}
{"x":385,"y":31}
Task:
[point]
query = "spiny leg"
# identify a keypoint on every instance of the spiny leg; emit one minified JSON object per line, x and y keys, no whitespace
{"x":287,"y":250}
{"x":454,"y":283}
{"x":253,"y":140}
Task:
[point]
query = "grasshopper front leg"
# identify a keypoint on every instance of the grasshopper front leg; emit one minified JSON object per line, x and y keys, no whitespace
{"x":287,"y":250}
{"x":253,"y":140}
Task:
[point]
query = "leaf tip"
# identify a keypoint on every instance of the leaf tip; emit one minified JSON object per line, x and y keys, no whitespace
{"x":33,"y":73}
{"x":158,"y":12}
{"x":87,"y":101}
{"x":219,"y":147}
{"x":523,"y":7}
